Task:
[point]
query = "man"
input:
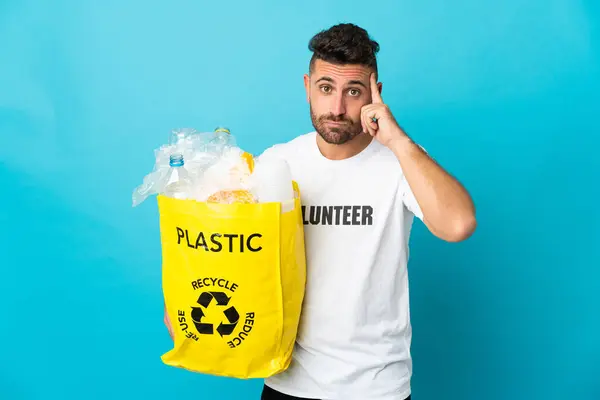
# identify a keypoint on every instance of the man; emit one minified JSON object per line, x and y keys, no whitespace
{"x":362,"y":180}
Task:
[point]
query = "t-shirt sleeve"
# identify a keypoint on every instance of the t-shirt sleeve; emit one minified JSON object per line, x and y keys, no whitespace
{"x":409,"y":198}
{"x":273,"y":151}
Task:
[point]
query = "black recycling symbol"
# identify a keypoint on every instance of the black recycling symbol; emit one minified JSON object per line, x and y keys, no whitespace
{"x":221,"y":300}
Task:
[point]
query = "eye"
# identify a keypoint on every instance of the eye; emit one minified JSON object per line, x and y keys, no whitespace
{"x":354,"y":92}
{"x":326,"y":89}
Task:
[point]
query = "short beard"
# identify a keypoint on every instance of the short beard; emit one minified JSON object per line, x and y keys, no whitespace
{"x":337,"y":135}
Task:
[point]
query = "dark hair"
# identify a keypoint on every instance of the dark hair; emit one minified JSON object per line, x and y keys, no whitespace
{"x":344,"y":44}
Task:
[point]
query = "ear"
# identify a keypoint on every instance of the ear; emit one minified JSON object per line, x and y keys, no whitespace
{"x":307,"y":86}
{"x":380,"y":86}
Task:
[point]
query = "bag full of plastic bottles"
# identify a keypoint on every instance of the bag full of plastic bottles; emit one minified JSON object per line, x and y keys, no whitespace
{"x":233,"y":260}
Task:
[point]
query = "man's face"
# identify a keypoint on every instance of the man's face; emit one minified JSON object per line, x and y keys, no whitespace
{"x":336,"y":94}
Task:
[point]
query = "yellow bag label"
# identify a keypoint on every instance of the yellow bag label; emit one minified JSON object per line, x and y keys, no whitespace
{"x":233,"y":281}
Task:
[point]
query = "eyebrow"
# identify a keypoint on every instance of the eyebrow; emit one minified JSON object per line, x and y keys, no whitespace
{"x":357,"y":83}
{"x":353,"y":82}
{"x":325,"y":78}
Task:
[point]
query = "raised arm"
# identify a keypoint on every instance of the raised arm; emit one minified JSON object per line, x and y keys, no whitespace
{"x":447,"y":208}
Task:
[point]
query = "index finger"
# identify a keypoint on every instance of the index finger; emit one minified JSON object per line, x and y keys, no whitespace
{"x":375,"y":95}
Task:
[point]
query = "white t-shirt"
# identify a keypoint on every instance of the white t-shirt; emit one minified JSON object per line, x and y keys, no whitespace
{"x":355,"y":332}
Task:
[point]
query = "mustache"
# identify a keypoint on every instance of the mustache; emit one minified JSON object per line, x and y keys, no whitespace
{"x":334,"y":118}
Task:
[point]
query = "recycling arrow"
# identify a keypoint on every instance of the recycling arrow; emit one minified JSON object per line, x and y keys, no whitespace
{"x":202,"y":327}
{"x":233,"y":317}
{"x":221,"y":298}
{"x":206,"y":297}
{"x":197,"y":314}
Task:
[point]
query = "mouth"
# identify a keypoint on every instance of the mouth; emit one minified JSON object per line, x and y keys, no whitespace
{"x":336,"y":123}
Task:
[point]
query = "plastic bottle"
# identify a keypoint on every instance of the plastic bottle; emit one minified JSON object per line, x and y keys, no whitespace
{"x":221,"y":140}
{"x":179,"y":183}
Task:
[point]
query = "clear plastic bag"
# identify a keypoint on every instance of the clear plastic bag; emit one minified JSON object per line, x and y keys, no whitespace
{"x":210,"y":167}
{"x":195,"y":152}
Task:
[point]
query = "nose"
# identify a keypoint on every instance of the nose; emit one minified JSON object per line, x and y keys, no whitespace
{"x":339,"y":105}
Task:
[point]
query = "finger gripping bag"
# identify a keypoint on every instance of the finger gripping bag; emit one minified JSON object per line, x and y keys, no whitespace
{"x":233,"y":282}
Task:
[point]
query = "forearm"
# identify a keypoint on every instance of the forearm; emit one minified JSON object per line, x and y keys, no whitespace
{"x":448,"y":210}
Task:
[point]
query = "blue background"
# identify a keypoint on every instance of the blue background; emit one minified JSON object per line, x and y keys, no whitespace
{"x":505,"y":96}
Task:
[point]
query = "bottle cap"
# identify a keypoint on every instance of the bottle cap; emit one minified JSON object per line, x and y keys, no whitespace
{"x":222,"y":129}
{"x":176,"y":160}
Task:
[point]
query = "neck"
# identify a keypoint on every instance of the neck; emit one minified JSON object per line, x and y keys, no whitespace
{"x":346,"y":150}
